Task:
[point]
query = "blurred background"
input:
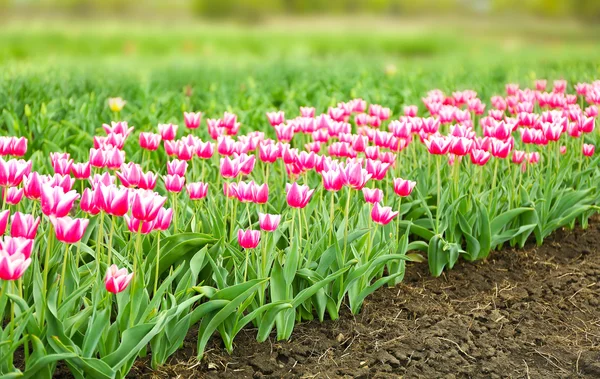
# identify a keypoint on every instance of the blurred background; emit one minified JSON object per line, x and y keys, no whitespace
{"x":296,"y":29}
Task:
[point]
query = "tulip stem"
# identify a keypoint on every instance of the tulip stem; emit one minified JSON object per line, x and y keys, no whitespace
{"x":63,"y":274}
{"x":99,"y":241}
{"x":439,"y":194}
{"x":174,"y":195}
{"x":135,"y":264}
{"x":157,"y":263}
{"x":346,"y":225}
{"x":399,"y":218}
{"x":4,"y":191}
{"x":46,"y":270}
{"x":246,"y":264}
{"x":331,"y":204}
{"x":249,"y":218}
{"x":494,"y":179}
{"x":110,"y":239}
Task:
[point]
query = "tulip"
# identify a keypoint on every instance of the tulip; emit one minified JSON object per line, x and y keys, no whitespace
{"x":205,"y":150}
{"x":500,"y":149}
{"x":18,"y":146}
{"x":97,"y":158}
{"x":62,"y":166}
{"x":63,"y":181}
{"x":116,"y":280}
{"x":268,"y":222}
{"x":114,"y":158}
{"x":150,"y":141}
{"x":112,"y":200}
{"x":284,"y":132}
{"x":163,"y":219}
{"x":518,"y":156}
{"x":230,"y":190}
{"x":13,"y":171}
{"x":17,"y":245}
{"x":298,"y":196}
{"x":307,"y":111}
{"x":116,"y":104}
{"x":355,"y":176}
{"x":480,"y":157}
{"x":588,"y":149}
{"x":174,"y":183}
{"x":32,"y":184}
{"x":146,"y":205}
{"x":81,"y":170}
{"x":4,"y":215}
{"x":13,"y":195}
{"x":197,"y":191}
{"x":147,"y":180}
{"x":333,"y":180}
{"x":177,"y":167}
{"x":167,"y":131}
{"x":377,"y":169}
{"x":268,"y":153}
{"x":437,"y":145}
{"x":372,"y":195}
{"x":248,"y":239}
{"x":403,"y":187}
{"x":12,"y":267}
{"x":192,"y":120}
{"x":69,"y":230}
{"x":105,"y":179}
{"x":136,"y":225}
{"x":276,"y":118}
{"x":120,"y":128}
{"x":382,"y":215}
{"x":130,"y":174}
{"x":230,"y":168}
{"x":88,"y":204}
{"x":56,"y":202}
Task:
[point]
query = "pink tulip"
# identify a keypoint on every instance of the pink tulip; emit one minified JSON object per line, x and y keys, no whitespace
{"x":88,"y":204}
{"x":150,"y":141}
{"x":377,"y":169}
{"x":268,"y":222}
{"x":248,"y":239}
{"x":24,"y":225}
{"x":13,"y":195}
{"x":167,"y":131}
{"x":16,"y":147}
{"x":355,"y":176}
{"x":116,"y":280}
{"x":130,"y":174}
{"x":372,"y":195}
{"x":105,"y":179}
{"x":12,"y":267}
{"x":81,"y":170}
{"x":56,"y":202}
{"x":230,"y":168}
{"x":13,"y":171}
{"x":205,"y":150}
{"x":382,"y":215}
{"x":146,"y":205}
{"x":197,"y":191}
{"x":136,"y":225}
{"x":500,"y":149}
{"x":112,"y":200}
{"x":63,"y":181}
{"x":518,"y":156}
{"x":563,"y":150}
{"x":69,"y":230}
{"x":268,"y":152}
{"x":284,"y":132}
{"x":16,"y":245}
{"x":307,"y":111}
{"x":276,"y":118}
{"x":298,"y":196}
{"x":114,"y":158}
{"x":62,"y":166}
{"x":97,"y":158}
{"x":148,"y":180}
{"x":163,"y":219}
{"x":333,"y":180}
{"x":230,"y":190}
{"x":4,"y":215}
{"x":32,"y":184}
{"x":403,"y":187}
{"x":411,"y":110}
{"x":540,"y":85}
{"x":437,"y":145}
{"x":174,"y":183}
{"x":120,"y":127}
{"x":177,"y":167}
{"x":185,"y":152}
{"x":480,"y":157}
{"x":588,"y":149}
{"x":192,"y":120}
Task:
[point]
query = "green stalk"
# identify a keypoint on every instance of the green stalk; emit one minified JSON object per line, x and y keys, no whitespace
{"x":439,"y":194}
{"x":331,"y":204}
{"x":46,"y":270}
{"x":346,"y":224}
{"x":496,"y":164}
{"x":157,"y":263}
{"x":63,"y":274}
{"x":174,"y":196}
{"x":110,"y":239}
{"x":135,"y":264}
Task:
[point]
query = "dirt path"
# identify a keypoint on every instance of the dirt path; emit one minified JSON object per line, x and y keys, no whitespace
{"x":530,"y":313}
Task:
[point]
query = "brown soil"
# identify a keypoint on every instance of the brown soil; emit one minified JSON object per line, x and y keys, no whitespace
{"x":530,"y":313}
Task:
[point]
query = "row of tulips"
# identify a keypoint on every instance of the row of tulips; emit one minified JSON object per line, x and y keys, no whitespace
{"x":108,"y":257}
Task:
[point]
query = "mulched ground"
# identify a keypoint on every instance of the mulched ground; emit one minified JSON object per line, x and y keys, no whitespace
{"x":529,"y":313}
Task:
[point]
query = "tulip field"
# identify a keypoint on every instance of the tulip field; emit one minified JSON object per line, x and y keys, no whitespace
{"x":141,"y":206}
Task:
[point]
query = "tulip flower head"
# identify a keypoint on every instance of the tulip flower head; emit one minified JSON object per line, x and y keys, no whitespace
{"x":248,"y":239}
{"x":146,"y":204}
{"x":197,"y":191}
{"x":588,"y":149}
{"x":69,"y":230}
{"x":298,"y":196}
{"x":13,"y":266}
{"x":163,"y":219}
{"x":268,"y":222}
{"x":382,"y":215}
{"x":403,"y":187}
{"x":373,"y":196}
{"x":192,"y":119}
{"x":4,"y":216}
{"x":56,"y":202}
{"x":116,"y":104}
{"x":116,"y":280}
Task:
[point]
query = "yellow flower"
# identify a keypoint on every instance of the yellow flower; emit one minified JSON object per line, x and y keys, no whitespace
{"x":116,"y":104}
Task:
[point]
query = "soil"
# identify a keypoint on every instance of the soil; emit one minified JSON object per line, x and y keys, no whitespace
{"x":531,"y":313}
